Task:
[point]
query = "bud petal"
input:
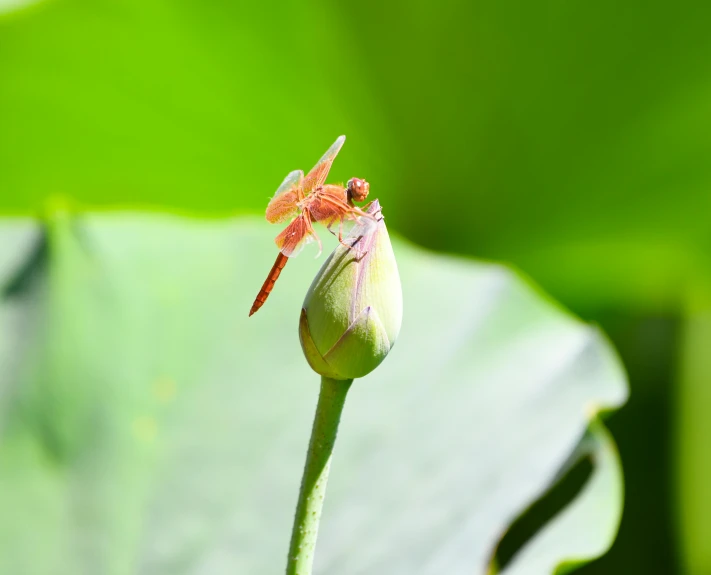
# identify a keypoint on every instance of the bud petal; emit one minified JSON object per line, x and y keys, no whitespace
{"x":353,"y":310}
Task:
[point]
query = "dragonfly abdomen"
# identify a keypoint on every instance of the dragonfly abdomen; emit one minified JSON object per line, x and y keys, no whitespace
{"x":268,"y":284}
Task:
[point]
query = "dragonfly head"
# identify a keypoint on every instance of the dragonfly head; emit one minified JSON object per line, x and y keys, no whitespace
{"x":358,"y":189}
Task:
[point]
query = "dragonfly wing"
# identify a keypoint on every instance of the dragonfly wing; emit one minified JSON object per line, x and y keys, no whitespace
{"x":296,"y":235}
{"x":318,"y":174}
{"x":283,"y":206}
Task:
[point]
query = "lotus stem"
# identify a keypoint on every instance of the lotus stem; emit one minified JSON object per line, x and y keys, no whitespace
{"x":313,"y":484}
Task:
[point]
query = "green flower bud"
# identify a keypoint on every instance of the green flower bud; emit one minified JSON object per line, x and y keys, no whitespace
{"x":353,"y":309}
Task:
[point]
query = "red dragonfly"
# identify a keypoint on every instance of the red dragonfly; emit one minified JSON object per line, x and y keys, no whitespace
{"x":305,"y":200}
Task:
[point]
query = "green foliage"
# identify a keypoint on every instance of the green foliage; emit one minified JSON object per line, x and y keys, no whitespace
{"x":149,"y":425}
{"x":570,"y":138}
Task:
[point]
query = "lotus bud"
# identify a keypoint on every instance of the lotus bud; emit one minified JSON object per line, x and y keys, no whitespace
{"x":353,"y":310}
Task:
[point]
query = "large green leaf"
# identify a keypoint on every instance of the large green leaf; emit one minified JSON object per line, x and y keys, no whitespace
{"x":18,"y":238}
{"x":152,"y":427}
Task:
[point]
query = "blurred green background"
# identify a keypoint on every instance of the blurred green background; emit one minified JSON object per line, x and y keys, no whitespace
{"x":572,"y":139}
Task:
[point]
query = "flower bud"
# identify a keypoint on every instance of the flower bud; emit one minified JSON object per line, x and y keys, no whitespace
{"x":353,"y":310}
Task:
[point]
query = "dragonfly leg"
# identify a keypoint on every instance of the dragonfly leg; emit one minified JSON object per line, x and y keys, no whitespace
{"x":311,"y":231}
{"x":345,"y":244}
{"x":339,"y":235}
{"x":318,"y":239}
{"x":328,"y":227}
{"x":359,"y":253}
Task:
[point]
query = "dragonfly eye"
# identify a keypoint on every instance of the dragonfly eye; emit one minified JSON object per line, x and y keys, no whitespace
{"x":358,"y":189}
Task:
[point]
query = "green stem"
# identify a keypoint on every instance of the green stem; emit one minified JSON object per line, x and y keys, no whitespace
{"x":313,"y":485}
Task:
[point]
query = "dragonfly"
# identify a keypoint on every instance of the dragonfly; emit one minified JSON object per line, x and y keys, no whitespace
{"x":305,"y":200}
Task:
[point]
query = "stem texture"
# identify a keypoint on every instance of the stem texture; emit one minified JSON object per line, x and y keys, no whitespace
{"x":313,"y":484}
